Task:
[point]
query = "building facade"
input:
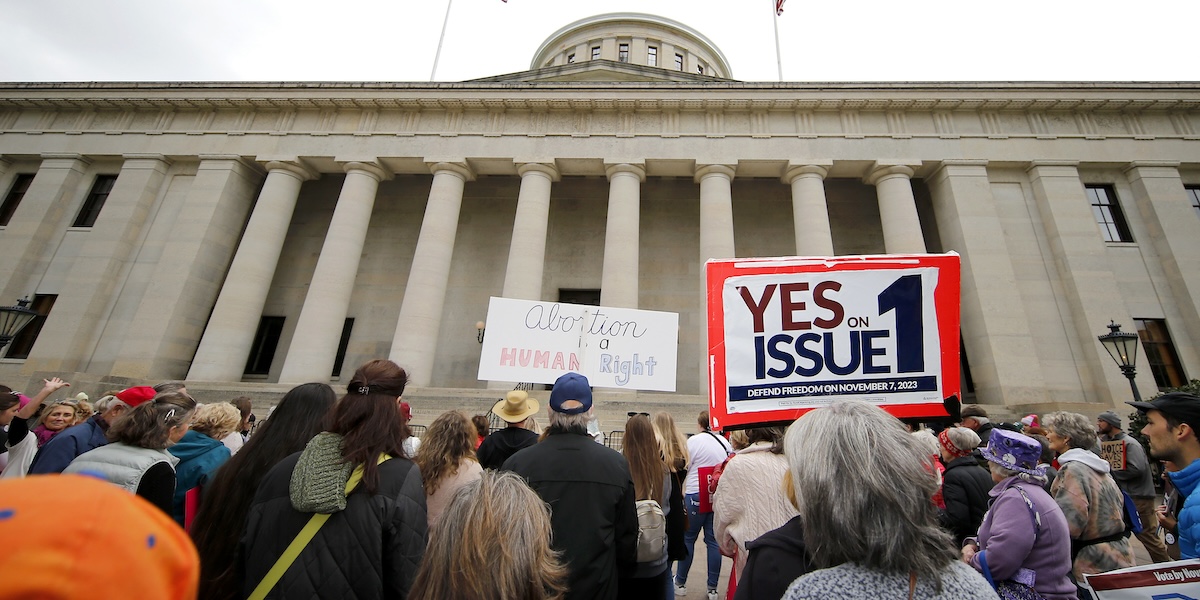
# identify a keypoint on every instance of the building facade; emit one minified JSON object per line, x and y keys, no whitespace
{"x":273,"y":233}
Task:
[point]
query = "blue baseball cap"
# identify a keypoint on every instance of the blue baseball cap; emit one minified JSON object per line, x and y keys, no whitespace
{"x":571,"y":394}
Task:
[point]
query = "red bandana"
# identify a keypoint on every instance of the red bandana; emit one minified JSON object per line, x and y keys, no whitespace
{"x":950,"y":447}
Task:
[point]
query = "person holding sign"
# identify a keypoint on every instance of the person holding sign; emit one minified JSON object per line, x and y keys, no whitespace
{"x":1131,"y":470}
{"x":707,"y":450}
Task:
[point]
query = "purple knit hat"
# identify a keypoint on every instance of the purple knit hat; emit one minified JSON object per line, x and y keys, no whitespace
{"x":1014,"y":451}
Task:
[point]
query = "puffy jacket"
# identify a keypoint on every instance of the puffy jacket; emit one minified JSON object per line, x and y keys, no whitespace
{"x":1185,"y":481}
{"x":592,"y":509}
{"x":965,"y":489}
{"x":503,"y":443}
{"x":199,"y":456}
{"x":775,"y":560}
{"x":371,"y":549}
{"x":66,"y":446}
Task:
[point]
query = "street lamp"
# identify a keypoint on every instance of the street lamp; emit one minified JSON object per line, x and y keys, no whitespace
{"x":1122,"y":347}
{"x":13,"y":319}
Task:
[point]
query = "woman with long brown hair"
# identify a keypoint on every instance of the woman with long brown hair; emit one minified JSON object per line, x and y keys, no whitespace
{"x":673,"y":446}
{"x":651,"y":481}
{"x":301,"y":414}
{"x":447,"y":460}
{"x":374,"y":537}
{"x":493,"y":541}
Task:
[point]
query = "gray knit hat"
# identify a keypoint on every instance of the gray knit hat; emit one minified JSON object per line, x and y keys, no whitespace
{"x":1111,"y":418}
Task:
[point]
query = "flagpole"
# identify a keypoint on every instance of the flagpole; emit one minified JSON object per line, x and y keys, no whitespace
{"x":437,"y":55}
{"x":778,"y":56}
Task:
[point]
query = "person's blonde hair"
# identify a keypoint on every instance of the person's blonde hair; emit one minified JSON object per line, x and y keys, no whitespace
{"x":493,"y":541}
{"x":670,"y":441}
{"x":449,"y":440}
{"x":217,"y":420}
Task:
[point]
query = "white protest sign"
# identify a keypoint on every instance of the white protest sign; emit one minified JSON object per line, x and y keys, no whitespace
{"x":536,"y":342}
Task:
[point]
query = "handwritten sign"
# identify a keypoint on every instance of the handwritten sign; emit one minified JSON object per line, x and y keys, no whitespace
{"x":787,"y":335}
{"x":537,"y":342}
{"x":1114,"y":453}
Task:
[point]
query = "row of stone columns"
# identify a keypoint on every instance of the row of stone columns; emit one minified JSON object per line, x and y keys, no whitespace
{"x":231,"y":329}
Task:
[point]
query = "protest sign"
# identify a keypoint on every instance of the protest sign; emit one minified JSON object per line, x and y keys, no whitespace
{"x":1178,"y":580}
{"x":1114,"y":453}
{"x":536,"y":342}
{"x":787,"y":335}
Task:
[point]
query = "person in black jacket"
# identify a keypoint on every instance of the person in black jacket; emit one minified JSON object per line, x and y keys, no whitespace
{"x":775,"y":560}
{"x":375,"y":537}
{"x":590,"y":492}
{"x":965,"y":485}
{"x":515,"y":409}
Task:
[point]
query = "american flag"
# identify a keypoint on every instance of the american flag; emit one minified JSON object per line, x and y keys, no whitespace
{"x":778,"y":6}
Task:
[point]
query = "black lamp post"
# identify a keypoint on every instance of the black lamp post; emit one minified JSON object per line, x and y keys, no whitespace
{"x":1122,"y":347}
{"x":13,"y":319}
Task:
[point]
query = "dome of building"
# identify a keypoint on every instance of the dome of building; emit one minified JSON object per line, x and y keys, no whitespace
{"x":636,"y":39}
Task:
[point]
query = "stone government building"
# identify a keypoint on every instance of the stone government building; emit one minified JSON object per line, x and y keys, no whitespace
{"x":250,"y":236}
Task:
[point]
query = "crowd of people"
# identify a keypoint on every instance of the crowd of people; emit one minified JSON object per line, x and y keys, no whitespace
{"x":332,"y":497}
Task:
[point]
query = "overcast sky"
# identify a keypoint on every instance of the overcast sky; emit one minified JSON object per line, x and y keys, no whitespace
{"x":377,"y":40}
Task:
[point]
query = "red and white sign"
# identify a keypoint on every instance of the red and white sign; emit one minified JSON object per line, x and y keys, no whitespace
{"x":1179,"y":580}
{"x":787,"y":335}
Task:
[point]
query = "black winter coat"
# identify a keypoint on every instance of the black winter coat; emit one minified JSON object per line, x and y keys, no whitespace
{"x":774,"y":561}
{"x":965,"y":488}
{"x":592,"y":509}
{"x":369,"y":550}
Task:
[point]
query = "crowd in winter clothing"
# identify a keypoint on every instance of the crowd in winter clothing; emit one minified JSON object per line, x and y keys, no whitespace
{"x":332,"y":497}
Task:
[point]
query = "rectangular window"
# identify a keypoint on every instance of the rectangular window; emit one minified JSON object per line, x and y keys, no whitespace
{"x":95,"y":201}
{"x":262,"y":351}
{"x":570,"y":58}
{"x":588,"y":297}
{"x":678,"y":62}
{"x":1193,"y":192}
{"x":595,"y":52}
{"x":1160,"y":353}
{"x":15,"y":194}
{"x":652,"y":56}
{"x":23,"y":342}
{"x":623,"y":52}
{"x":1108,"y":213}
{"x":343,"y":344}
{"x":700,"y":69}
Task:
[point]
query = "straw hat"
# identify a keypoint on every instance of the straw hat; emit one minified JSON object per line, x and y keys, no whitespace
{"x":515,"y":407}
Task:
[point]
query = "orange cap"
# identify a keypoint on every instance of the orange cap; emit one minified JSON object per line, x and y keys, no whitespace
{"x":120,"y":546}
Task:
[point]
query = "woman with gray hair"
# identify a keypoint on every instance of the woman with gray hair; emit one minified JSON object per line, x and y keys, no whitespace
{"x":1089,"y":497}
{"x":863,"y":486}
{"x":1023,"y":539}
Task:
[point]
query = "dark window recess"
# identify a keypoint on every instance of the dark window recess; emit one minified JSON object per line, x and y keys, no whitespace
{"x":964,"y":365}
{"x":1193,"y":192}
{"x":1108,"y":214}
{"x":343,"y":343}
{"x":570,"y":58}
{"x":23,"y":342}
{"x":623,"y":52}
{"x":15,"y":194}
{"x":595,"y":52}
{"x":588,"y":297}
{"x":1160,"y":353}
{"x":652,"y":56}
{"x":678,"y":62}
{"x":266,"y":341}
{"x":95,"y":201}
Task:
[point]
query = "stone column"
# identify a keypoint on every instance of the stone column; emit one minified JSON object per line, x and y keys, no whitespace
{"x":995,"y":327}
{"x":897,"y":208}
{"x":203,"y":236}
{"x":40,"y":222}
{"x":527,"y":252}
{"x":716,"y":239}
{"x":415,"y":341}
{"x":98,"y":272}
{"x":234,"y":320}
{"x":314,"y":343}
{"x":619,"y":278}
{"x":809,"y":210}
{"x":1174,"y":232}
{"x":1089,"y":287}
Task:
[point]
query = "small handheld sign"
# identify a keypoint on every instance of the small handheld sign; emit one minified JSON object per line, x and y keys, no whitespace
{"x":787,"y":335}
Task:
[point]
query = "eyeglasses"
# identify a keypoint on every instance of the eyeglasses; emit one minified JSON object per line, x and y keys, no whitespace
{"x":634,"y":413}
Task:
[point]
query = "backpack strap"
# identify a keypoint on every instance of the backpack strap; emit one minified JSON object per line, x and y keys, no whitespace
{"x":724,"y":444}
{"x":302,"y":539}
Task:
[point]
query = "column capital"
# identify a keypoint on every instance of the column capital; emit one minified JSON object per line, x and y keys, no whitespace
{"x":818,"y":169}
{"x":67,"y":157}
{"x":704,"y":171}
{"x":1053,"y":168}
{"x":460,"y":169}
{"x":613,"y":169}
{"x":1157,"y":169}
{"x":547,"y":169}
{"x":959,"y":168}
{"x":886,"y":170}
{"x":372,"y":169}
{"x":144,"y":161}
{"x":296,"y":169}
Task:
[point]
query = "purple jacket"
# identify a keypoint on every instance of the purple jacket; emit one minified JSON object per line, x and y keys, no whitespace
{"x":1006,"y":538}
